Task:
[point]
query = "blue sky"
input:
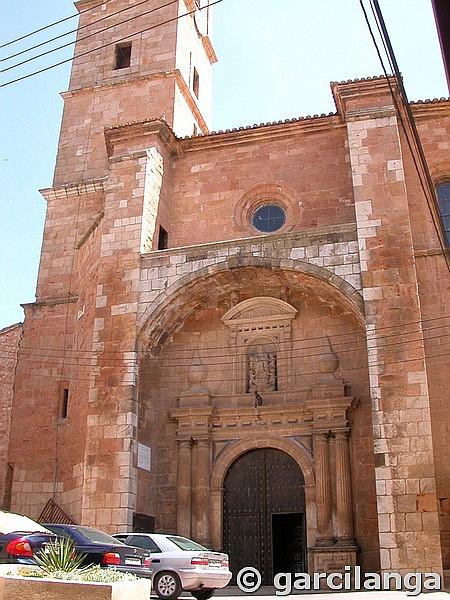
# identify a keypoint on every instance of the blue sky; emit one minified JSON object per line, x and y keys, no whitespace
{"x":277,"y":59}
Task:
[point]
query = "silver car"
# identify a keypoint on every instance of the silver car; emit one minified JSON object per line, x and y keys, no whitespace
{"x":180,"y":564}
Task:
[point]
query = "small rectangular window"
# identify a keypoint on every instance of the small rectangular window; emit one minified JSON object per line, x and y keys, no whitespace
{"x":196,"y":82}
{"x":65,"y":403}
{"x":163,"y":239}
{"x":123,"y":56}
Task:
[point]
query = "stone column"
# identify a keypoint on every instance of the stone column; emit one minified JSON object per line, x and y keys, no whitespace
{"x":201,"y":491}
{"x":323,"y":489}
{"x":184,"y":488}
{"x":344,"y":502}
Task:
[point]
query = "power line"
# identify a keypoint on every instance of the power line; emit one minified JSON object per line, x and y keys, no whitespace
{"x":330,"y":338}
{"x":78,"y":29}
{"x":212,"y":361}
{"x":427,"y":187}
{"x":62,"y":62}
{"x":53,"y":24}
{"x":81,"y":39}
{"x":149,"y":378}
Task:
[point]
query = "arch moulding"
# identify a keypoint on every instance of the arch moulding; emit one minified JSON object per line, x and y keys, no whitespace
{"x":155,"y":321}
{"x":231,"y":453}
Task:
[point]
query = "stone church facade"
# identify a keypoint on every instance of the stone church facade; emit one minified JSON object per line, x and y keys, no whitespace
{"x":242,"y":335}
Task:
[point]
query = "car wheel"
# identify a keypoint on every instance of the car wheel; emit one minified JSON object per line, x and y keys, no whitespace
{"x":167,"y":585}
{"x":202,"y":594}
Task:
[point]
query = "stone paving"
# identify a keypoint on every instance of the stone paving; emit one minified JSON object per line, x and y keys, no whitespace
{"x":267,"y":592}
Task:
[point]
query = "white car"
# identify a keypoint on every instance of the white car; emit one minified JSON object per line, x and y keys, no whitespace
{"x":180,"y":564}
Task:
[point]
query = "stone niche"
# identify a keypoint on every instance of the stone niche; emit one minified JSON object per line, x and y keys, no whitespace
{"x":261,"y":336}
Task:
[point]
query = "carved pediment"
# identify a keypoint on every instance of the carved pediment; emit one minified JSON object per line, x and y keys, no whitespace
{"x":258,"y":310}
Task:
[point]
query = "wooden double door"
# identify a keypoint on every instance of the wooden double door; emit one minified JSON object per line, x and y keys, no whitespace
{"x":264,"y":514}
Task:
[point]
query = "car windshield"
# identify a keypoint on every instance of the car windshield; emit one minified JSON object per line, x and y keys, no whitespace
{"x":98,"y":537}
{"x":185,"y":544}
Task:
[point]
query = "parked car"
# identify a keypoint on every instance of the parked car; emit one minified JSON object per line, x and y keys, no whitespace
{"x":104,"y":550}
{"x":180,"y":564}
{"x":21,"y":538}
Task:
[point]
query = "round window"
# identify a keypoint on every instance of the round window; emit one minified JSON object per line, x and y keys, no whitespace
{"x":268,"y":218}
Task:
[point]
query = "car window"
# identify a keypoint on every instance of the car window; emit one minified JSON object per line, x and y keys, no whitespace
{"x":185,"y":544}
{"x":142,"y":541}
{"x":98,"y":537}
{"x":59,"y":531}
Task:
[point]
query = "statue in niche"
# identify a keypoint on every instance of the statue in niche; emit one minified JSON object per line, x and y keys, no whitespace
{"x":262,"y":370}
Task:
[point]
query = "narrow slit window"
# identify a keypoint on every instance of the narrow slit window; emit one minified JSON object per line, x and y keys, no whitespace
{"x":163,"y":239}
{"x":196,"y":82}
{"x":443,"y":197}
{"x":65,"y":403}
{"x":123,"y":56}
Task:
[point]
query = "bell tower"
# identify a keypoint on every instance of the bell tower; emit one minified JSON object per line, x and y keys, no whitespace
{"x":142,"y":71}
{"x":134,"y":61}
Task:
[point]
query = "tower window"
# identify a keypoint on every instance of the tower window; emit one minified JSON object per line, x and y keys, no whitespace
{"x":196,"y":82}
{"x":123,"y":56}
{"x":65,"y":403}
{"x":163,"y":239}
{"x":443,"y":196}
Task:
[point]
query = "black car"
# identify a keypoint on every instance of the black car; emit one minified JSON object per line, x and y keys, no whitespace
{"x":104,"y":550}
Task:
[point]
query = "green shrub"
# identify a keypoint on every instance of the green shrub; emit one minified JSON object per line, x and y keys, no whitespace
{"x":94,"y":574}
{"x":59,"y":556}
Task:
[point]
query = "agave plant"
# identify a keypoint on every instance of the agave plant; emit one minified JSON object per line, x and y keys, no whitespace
{"x":60,"y":556}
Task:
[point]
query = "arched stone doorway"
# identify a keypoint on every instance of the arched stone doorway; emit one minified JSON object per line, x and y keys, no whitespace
{"x":264,"y":520}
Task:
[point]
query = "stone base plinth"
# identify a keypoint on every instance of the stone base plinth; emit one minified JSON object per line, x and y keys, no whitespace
{"x":332,"y":559}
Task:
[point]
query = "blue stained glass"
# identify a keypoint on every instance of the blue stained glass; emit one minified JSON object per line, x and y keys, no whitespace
{"x":268,"y":218}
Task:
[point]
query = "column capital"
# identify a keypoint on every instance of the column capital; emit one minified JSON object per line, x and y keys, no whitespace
{"x":341,"y":435}
{"x":203,"y":441}
{"x":185,"y":443}
{"x":321,"y":437}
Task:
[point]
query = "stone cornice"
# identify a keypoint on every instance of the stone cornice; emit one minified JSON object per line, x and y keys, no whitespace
{"x":429,"y":109}
{"x":129,"y":80}
{"x":210,"y":52}
{"x":140,"y":129}
{"x":132,"y":79}
{"x":9,"y":328}
{"x":345,"y":92}
{"x":190,"y":100}
{"x":90,"y":229}
{"x":429,"y":252}
{"x":263,"y":132}
{"x":78,"y":188}
{"x":343,"y":232}
{"x":50,"y":302}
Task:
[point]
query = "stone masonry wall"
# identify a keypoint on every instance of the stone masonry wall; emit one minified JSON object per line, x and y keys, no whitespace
{"x":404,"y":459}
{"x":9,"y":347}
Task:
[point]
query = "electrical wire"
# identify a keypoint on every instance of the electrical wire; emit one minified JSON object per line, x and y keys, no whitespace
{"x":331,"y":338}
{"x":127,"y":37}
{"x":211,"y":360}
{"x":427,"y":188}
{"x":149,"y":378}
{"x":53,"y":24}
{"x":95,"y":34}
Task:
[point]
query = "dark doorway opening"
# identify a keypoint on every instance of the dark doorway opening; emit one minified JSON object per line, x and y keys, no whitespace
{"x":143,"y":523}
{"x":288,"y":543}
